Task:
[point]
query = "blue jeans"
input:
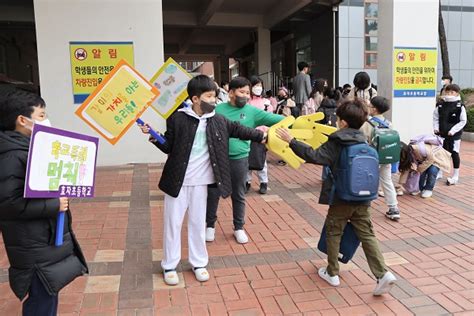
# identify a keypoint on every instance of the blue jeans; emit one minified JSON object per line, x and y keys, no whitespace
{"x":428,"y":178}
{"x":39,"y":302}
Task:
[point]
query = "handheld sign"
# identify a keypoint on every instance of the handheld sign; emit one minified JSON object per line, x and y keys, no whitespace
{"x":172,"y":81}
{"x":60,"y":164}
{"x":117,"y":102}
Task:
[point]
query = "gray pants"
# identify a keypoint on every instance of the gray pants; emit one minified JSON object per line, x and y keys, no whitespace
{"x":238,"y":177}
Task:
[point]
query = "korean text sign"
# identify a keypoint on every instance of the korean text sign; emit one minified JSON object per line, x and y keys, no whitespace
{"x":92,"y":61}
{"x":60,"y":163}
{"x":172,"y":81}
{"x":115,"y":105}
{"x":414,"y":72}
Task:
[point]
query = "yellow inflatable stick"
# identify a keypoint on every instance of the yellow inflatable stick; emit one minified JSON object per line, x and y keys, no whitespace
{"x":320,"y":131}
{"x":281,"y":148}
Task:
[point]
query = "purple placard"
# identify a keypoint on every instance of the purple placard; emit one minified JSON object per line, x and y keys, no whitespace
{"x":38,"y":130}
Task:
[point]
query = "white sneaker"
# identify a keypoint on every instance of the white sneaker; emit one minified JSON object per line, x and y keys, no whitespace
{"x":426,"y":194}
{"x":210,"y":234}
{"x":241,"y":236}
{"x":201,"y":274}
{"x":452,"y":181}
{"x":415,"y":193}
{"x":332,"y":280}
{"x":171,"y":277}
{"x":381,"y":194}
{"x":400,"y":192}
{"x":384,"y":284}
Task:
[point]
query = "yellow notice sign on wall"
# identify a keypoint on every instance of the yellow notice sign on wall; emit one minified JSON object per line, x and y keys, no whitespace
{"x":117,"y":103}
{"x":92,"y":61}
{"x":414,"y":71}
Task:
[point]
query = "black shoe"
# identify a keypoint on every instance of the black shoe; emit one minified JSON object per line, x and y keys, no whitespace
{"x":247,"y":187}
{"x":281,"y":163}
{"x":393,"y":214}
{"x":263,"y":188}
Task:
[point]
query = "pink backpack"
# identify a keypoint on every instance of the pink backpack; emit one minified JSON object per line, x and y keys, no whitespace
{"x":413,"y":182}
{"x":309,"y":107}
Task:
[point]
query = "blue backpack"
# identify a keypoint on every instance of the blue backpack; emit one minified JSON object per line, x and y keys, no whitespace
{"x":349,"y":243}
{"x":356,"y":177}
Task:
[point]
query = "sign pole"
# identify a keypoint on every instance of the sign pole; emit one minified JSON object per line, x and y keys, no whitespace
{"x":153,"y":133}
{"x":59,"y":229}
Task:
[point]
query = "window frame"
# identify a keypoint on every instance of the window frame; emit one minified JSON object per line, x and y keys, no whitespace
{"x":368,"y":52}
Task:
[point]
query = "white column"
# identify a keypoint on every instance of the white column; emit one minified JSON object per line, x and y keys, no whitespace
{"x":404,"y":23}
{"x":264,"y":55}
{"x":59,"y":22}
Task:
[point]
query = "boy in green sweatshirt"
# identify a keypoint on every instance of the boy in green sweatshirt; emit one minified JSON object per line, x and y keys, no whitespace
{"x":237,"y":110}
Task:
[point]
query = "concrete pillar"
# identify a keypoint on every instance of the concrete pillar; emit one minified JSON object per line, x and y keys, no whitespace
{"x":264,"y":54}
{"x":225,"y":71}
{"x":217,"y":70}
{"x":57,"y":24}
{"x":402,"y":25}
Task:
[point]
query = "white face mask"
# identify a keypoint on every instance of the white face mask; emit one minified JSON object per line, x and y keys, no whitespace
{"x":45,"y":122}
{"x":257,"y":90}
{"x":442,"y":82}
{"x":451,"y":98}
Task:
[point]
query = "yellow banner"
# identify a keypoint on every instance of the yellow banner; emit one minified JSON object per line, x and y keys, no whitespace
{"x":414,"y":71}
{"x":117,"y":103}
{"x":92,"y":61}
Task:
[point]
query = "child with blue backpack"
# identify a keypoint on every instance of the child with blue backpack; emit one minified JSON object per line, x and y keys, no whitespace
{"x":334,"y":154}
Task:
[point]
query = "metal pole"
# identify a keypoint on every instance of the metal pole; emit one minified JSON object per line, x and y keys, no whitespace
{"x":334,"y":39}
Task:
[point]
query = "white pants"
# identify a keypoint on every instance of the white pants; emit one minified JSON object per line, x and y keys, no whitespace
{"x":262,"y":174}
{"x":387,"y":184}
{"x":193,"y":199}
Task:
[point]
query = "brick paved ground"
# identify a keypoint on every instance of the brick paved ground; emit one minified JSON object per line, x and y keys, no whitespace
{"x":430,"y":250}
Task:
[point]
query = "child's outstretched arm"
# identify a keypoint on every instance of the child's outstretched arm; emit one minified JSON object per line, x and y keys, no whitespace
{"x":266,"y":118}
{"x":326,"y":154}
{"x":237,"y":130}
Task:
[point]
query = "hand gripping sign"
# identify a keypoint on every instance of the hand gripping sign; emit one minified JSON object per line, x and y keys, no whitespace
{"x":118,"y":102}
{"x":60,"y":164}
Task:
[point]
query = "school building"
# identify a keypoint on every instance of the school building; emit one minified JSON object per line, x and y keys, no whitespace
{"x":226,"y":38}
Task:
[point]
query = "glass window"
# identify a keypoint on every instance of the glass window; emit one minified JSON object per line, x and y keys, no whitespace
{"x":371,"y":43}
{"x":371,"y":10}
{"x":303,"y":55}
{"x":370,"y":60}
{"x":303,"y":42}
{"x":371,"y":26}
